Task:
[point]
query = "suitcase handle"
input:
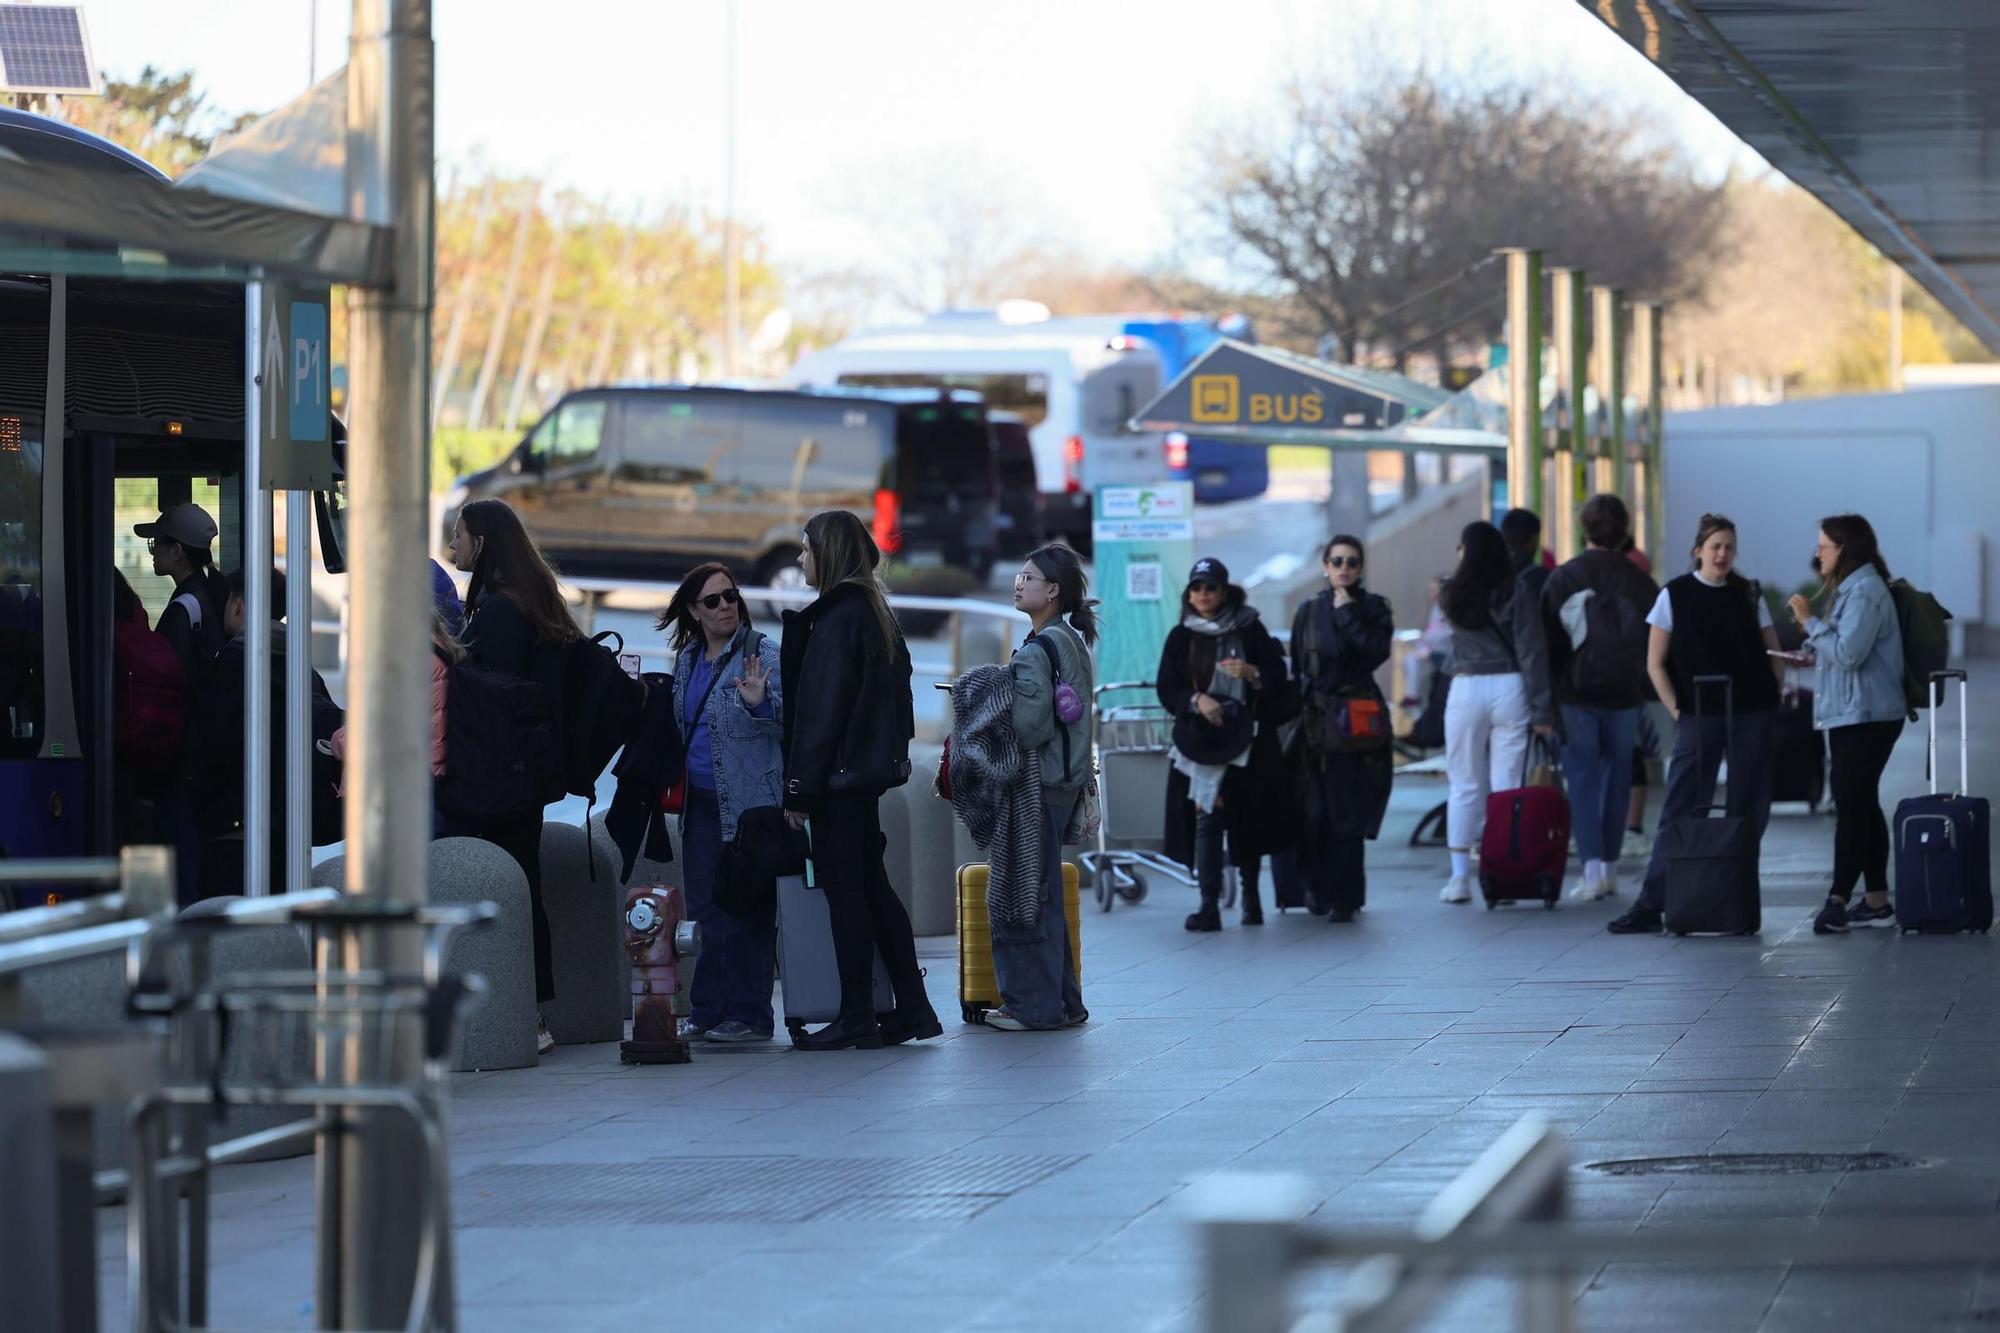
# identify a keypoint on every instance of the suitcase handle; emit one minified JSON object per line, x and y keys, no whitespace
{"x":1545,"y":746}
{"x":1937,"y":692}
{"x":1728,"y":685}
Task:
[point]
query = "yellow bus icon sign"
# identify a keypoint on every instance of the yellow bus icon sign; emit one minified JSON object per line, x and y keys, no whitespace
{"x":1216,"y":398}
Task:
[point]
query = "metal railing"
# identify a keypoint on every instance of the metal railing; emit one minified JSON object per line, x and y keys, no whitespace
{"x":1510,"y":1209}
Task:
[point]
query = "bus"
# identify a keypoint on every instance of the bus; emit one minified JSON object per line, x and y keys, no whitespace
{"x":1074,"y":386}
{"x":118,"y":398}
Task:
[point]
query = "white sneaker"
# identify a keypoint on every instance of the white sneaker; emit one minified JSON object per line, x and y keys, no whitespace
{"x":1637,"y":846}
{"x":1457,"y":889}
{"x":1607,"y":883}
{"x":544,"y":1043}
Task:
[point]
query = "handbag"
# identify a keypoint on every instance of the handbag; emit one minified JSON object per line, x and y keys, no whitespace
{"x":1086,"y":818}
{"x":1352,"y":720}
{"x":673,"y":799}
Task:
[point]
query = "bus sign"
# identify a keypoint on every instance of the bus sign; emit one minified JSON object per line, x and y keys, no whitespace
{"x":295,"y":383}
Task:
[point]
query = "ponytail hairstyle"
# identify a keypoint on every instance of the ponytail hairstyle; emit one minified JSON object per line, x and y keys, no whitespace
{"x":1485,"y":567}
{"x":213,"y":581}
{"x":509,"y":562}
{"x":1349,"y":539}
{"x":1709,"y":525}
{"x":1856,"y":538}
{"x":1063,"y":567}
{"x":845,"y":555}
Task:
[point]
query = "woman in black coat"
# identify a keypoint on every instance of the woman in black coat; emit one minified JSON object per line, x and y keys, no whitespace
{"x":1339,"y":639}
{"x":1221,"y":673}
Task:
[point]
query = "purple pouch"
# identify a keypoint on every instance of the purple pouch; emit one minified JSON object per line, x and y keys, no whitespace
{"x":1069,"y":704}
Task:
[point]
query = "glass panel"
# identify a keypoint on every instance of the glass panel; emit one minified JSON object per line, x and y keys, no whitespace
{"x":20,"y":584}
{"x":579,"y":430}
{"x":673,"y":440}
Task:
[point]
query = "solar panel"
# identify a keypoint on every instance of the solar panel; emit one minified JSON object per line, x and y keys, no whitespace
{"x":44,"y":49}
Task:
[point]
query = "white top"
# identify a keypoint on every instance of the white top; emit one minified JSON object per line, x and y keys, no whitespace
{"x":1662,"y":614}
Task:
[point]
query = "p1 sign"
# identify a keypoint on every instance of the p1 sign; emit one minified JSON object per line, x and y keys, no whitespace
{"x":295,"y":383}
{"x":311,"y":375}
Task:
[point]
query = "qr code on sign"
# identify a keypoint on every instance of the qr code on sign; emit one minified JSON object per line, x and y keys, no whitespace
{"x":1143,"y":582}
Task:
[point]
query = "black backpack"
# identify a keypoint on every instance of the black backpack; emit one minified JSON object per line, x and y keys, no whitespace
{"x":599,"y":712}
{"x":501,"y":755}
{"x":1612,"y":660}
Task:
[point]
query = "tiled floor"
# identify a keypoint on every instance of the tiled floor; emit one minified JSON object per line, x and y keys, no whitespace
{"x":1376,"y":1061}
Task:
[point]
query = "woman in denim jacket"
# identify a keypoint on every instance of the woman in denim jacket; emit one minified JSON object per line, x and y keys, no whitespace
{"x":1858,"y":702}
{"x":727,"y":704}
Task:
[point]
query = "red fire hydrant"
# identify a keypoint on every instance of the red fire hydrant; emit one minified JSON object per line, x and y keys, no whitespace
{"x":658,"y":936}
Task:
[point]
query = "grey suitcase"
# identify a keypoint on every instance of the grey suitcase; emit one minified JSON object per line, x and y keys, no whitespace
{"x":806,"y":968}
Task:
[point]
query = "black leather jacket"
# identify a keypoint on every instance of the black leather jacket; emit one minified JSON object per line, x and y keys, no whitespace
{"x":849,"y":716}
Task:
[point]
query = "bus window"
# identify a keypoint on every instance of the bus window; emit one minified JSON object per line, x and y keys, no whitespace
{"x":1026,"y":396}
{"x":20,"y":584}
{"x":136,"y":500}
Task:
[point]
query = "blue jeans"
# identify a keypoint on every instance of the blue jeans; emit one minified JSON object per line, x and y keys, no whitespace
{"x":1035,"y":967}
{"x":732,"y":976}
{"x":1597,"y":769}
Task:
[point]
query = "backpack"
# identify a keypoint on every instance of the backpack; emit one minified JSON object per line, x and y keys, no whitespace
{"x":150,"y":702}
{"x":599,"y":710}
{"x":501,"y":754}
{"x":1611,"y":660}
{"x":1926,"y":641}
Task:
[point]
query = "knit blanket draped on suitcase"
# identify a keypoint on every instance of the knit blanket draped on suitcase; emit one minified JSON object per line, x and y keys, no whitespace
{"x":996,"y":791}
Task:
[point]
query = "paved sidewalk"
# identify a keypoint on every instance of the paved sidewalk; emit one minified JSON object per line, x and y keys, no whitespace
{"x":1031,"y":1181}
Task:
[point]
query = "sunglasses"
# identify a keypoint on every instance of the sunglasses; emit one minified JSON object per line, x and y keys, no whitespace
{"x":715,"y":599}
{"x":1343,"y":562}
{"x":1204,"y":587}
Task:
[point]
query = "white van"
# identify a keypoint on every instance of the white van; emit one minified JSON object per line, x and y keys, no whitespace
{"x":1075,"y":387}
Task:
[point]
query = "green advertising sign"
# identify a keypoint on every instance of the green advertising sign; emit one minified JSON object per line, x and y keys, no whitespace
{"x":1144,"y":540}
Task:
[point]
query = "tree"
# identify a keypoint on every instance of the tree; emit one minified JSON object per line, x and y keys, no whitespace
{"x":163,"y":117}
{"x":1367,"y":207}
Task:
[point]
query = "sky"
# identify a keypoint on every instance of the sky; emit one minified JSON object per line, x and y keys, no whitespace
{"x":1081,"y":110}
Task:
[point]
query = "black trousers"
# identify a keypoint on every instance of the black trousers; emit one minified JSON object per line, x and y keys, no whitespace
{"x":1338,"y":873}
{"x":864,"y":910}
{"x":1860,"y":833}
{"x":522,"y":839}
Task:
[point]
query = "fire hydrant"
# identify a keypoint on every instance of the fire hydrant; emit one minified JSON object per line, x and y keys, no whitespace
{"x":662,"y":944}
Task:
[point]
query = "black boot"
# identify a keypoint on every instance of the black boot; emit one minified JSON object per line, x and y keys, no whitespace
{"x":1253,"y":906}
{"x":911,"y":1025}
{"x":1208,"y":918}
{"x":843,"y":1034}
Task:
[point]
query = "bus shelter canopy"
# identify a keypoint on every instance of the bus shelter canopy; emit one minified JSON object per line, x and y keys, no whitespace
{"x":1238,"y":393}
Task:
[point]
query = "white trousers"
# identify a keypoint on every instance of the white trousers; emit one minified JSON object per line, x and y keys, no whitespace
{"x":1485,"y":740}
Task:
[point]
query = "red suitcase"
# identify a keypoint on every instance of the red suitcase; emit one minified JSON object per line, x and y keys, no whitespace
{"x":1524,"y":852}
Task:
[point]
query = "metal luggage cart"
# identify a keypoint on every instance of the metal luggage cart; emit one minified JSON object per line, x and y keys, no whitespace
{"x":344,"y":1041}
{"x":1132,"y":744}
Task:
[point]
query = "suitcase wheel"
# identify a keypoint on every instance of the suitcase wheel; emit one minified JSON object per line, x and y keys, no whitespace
{"x":794,"y":1028}
{"x":1490,"y":904}
{"x":972,"y":1014}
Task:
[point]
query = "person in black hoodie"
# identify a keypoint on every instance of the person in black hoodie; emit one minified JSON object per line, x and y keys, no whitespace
{"x":1339,"y":639}
{"x":844,"y":673}
{"x":514,"y":613}
{"x":1221,"y":672}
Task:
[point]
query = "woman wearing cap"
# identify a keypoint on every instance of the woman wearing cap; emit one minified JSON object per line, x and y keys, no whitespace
{"x":1222,"y":677}
{"x":1340,"y":639}
{"x":179,"y":540}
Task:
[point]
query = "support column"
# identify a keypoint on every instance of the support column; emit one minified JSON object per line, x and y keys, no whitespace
{"x":1649,"y":492}
{"x":256,"y":508}
{"x":1524,"y":378}
{"x":373,"y":1160}
{"x":1608,"y":374}
{"x":1572,"y":337}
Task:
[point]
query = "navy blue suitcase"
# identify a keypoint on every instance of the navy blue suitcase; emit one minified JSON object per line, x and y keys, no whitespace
{"x":1943,"y":842}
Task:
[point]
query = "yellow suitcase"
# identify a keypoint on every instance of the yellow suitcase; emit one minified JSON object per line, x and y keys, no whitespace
{"x":978,"y":990}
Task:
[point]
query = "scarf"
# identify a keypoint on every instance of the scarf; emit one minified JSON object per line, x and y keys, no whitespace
{"x":1227,"y":630}
{"x":996,"y":791}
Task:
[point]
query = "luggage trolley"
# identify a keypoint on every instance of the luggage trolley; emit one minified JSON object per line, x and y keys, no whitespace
{"x":336,"y":1040}
{"x":1132,"y":744}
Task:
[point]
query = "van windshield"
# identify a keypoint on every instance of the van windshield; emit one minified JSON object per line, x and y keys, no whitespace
{"x":943,"y":449}
{"x":1027,"y":396}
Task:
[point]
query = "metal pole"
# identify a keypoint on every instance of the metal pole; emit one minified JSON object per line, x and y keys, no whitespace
{"x":1895,"y":329}
{"x":1608,"y":354}
{"x":370,"y":1265}
{"x":1648,"y":511}
{"x":256,"y":506}
{"x":298,"y":690}
{"x":732,"y":255}
{"x":1572,"y":334}
{"x":1524,"y":378}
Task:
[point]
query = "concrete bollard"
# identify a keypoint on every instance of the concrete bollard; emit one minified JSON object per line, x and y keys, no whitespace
{"x":934,"y":832}
{"x":586,"y":935}
{"x":28,"y":1208}
{"x":500,"y":1032}
{"x":896,"y":817}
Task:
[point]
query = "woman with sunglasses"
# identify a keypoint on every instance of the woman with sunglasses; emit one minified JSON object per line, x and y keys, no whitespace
{"x":1222,"y":676}
{"x":727,"y":703}
{"x":1340,"y":639}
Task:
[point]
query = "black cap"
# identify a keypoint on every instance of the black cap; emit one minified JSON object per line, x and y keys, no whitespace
{"x":1209,"y":570}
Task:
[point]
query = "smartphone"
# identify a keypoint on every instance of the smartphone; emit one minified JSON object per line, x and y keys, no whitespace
{"x":630,"y":663}
{"x":1796,"y":658}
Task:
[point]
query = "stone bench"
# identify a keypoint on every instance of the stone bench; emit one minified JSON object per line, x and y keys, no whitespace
{"x":499,"y":1032}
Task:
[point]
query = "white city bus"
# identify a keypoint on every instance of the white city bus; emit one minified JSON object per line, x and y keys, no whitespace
{"x":1073,"y":385}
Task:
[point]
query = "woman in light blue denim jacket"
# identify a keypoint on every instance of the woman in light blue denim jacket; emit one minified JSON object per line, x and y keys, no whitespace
{"x":1858,"y":702}
{"x":727,"y":704}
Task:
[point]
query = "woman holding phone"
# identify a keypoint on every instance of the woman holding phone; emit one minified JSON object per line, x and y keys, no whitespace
{"x":1711,"y":621}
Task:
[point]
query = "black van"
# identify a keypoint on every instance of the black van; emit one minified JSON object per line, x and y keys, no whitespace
{"x":645,"y":482}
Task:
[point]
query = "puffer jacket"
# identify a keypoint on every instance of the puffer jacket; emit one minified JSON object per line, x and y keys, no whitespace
{"x":1860,"y":650}
{"x":848,"y":716}
{"x":1512,"y":639}
{"x":1036,"y":725}
{"x":748,"y":750}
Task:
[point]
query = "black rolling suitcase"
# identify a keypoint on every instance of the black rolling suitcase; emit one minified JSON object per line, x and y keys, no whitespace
{"x":1944,"y":868}
{"x":1712,"y":886}
{"x":1799,"y":765}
